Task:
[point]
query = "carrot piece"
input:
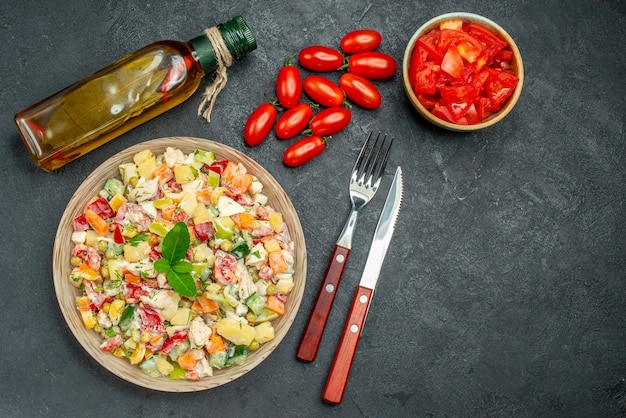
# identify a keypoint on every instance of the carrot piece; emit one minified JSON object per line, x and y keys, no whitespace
{"x":206,"y":304}
{"x":167,"y":212}
{"x":164,"y":173}
{"x":155,"y":340}
{"x":131,"y":278}
{"x":204,"y":196}
{"x":275,"y":305}
{"x":230,"y":172}
{"x":215,"y":345}
{"x":187,"y":361}
{"x":277,"y":262}
{"x":83,"y":303}
{"x":97,"y":223}
{"x":243,"y":220}
{"x":242,"y":182}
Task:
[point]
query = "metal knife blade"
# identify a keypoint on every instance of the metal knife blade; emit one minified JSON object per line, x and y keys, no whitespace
{"x":384,"y":230}
{"x":340,"y":369}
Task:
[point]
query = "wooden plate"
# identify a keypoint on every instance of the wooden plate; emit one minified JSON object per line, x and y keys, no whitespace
{"x":66,"y":293}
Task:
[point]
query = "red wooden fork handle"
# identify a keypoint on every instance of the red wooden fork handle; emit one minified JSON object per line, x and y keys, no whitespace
{"x":312,"y":336}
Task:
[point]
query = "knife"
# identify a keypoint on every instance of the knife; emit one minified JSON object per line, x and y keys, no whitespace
{"x":340,"y":369}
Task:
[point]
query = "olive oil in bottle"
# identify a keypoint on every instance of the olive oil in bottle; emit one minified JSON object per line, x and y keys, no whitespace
{"x":127,"y":93}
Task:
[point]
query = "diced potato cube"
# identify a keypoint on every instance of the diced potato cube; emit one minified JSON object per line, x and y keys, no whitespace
{"x":135,"y":253}
{"x":284,"y":286}
{"x":272,"y":246}
{"x":264,"y":332}
{"x":163,"y":366}
{"x":91,"y":238}
{"x":146,"y":168}
{"x":237,"y":332}
{"x":202,"y":252}
{"x":201,"y":214}
{"x":168,"y":313}
{"x":185,"y":173}
{"x":116,"y":268}
{"x":142,"y":156}
{"x":182,"y":317}
{"x":276,"y":221}
{"x":189,"y":203}
{"x":117,"y":201}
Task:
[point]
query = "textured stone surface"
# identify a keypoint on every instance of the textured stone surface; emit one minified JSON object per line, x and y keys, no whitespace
{"x":503,"y":291}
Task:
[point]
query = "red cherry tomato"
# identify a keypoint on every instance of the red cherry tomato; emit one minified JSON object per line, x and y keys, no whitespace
{"x":323,"y":91}
{"x":293,"y":121}
{"x":372,"y":65}
{"x":303,"y":150}
{"x":361,"y":40}
{"x":259,"y":124}
{"x":330,"y":121}
{"x":360,"y":90}
{"x":288,"y":85}
{"x":320,"y":58}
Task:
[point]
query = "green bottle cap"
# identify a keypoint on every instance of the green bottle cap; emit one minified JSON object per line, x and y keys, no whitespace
{"x":236,"y":35}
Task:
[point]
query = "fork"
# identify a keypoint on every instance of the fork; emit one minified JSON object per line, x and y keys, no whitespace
{"x":364,"y":181}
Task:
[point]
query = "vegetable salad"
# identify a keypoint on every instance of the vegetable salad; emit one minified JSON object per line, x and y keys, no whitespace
{"x":181,"y":264}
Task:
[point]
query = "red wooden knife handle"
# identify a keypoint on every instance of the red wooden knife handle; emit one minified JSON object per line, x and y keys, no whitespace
{"x":310,"y":342}
{"x":340,"y":370}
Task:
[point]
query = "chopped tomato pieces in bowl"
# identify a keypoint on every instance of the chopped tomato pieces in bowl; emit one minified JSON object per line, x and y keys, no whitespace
{"x":462,"y":71}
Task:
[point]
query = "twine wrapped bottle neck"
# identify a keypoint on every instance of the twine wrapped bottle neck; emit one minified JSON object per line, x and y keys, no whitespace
{"x":216,"y":50}
{"x":224,"y":60}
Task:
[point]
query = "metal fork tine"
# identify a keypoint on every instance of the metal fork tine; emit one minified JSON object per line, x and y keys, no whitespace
{"x":372,"y":158}
{"x":359,"y":161}
{"x":381,"y":163}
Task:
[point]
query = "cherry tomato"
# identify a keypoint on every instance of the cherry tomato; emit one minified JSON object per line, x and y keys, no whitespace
{"x":259,"y":124}
{"x":372,"y":65}
{"x":361,"y":40}
{"x":330,"y":121}
{"x":288,"y":85}
{"x":320,"y":58}
{"x":360,"y":90}
{"x":303,"y":150}
{"x":323,"y":91}
{"x":293,"y":121}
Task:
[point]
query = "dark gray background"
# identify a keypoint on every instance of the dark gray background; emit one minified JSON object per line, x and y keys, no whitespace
{"x":503,"y":291}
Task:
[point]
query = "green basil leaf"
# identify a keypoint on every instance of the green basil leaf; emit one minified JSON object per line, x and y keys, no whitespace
{"x":182,"y":283}
{"x":176,"y":242}
{"x":182,"y":266}
{"x":162,"y":265}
